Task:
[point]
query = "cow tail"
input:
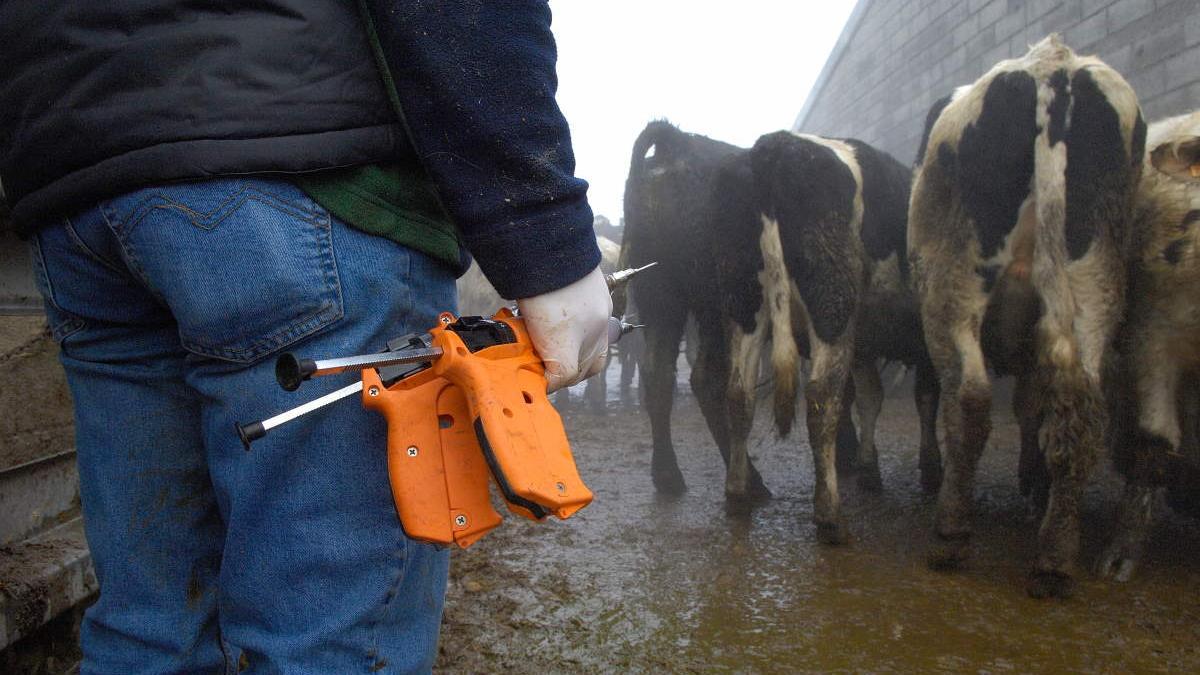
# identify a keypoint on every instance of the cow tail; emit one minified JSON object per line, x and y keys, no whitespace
{"x":786,"y":366}
{"x":1067,"y":404}
{"x":652,"y":135}
{"x":1049,"y":273}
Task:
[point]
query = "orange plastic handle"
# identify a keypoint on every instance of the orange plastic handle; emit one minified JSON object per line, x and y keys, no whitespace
{"x":438,"y":476}
{"x":519,"y":431}
{"x":465,"y":418}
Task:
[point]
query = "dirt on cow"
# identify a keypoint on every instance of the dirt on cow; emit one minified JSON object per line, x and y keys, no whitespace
{"x":638,"y":582}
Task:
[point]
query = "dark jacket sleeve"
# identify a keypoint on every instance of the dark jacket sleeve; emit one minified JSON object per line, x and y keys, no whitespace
{"x":476,"y":81}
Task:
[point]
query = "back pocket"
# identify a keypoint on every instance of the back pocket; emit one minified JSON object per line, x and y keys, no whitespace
{"x":245,"y":266}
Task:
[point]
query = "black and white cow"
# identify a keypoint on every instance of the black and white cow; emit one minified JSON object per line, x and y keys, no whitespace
{"x":1025,"y":192}
{"x":670,"y":211}
{"x":1160,"y":340}
{"x":810,"y":259}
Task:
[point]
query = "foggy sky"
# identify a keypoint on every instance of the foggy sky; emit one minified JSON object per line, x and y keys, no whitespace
{"x":729,"y":70}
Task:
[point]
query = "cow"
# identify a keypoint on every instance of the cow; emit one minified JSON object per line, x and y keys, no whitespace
{"x":1025,"y":191}
{"x":811,"y":261}
{"x":1160,"y":341}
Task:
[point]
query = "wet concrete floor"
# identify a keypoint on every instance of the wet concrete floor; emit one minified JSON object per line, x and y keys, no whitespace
{"x":640,"y":583}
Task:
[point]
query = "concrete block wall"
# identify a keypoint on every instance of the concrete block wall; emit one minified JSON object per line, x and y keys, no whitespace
{"x":897,"y":57}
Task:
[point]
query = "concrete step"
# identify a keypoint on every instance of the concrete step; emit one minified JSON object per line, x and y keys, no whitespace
{"x":41,"y":577}
{"x":37,"y":496}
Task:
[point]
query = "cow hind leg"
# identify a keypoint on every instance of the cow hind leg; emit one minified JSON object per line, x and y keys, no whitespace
{"x":1071,"y":439}
{"x":824,"y":398}
{"x":1033,"y":478}
{"x":847,"y":438}
{"x":628,"y":368}
{"x":596,"y":391}
{"x":868,"y":399}
{"x":1158,"y":434}
{"x":709,"y":378}
{"x":1135,"y":514}
{"x":966,"y":418}
{"x":745,"y":354}
{"x":926,"y":393}
{"x":658,"y":391}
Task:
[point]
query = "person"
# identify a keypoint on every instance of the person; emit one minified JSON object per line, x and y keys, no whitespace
{"x":205,"y":185}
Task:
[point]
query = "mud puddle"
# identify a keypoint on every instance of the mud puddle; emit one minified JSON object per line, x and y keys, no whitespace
{"x":639,"y":583}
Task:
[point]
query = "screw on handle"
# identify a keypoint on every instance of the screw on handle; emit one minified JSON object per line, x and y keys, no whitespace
{"x":290,"y":371}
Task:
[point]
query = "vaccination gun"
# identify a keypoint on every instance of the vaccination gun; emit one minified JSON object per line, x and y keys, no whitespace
{"x":465,"y":403}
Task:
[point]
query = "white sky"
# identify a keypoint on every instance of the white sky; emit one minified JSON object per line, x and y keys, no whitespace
{"x":729,"y":70}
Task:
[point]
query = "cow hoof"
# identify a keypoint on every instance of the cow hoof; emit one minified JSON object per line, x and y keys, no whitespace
{"x":869,"y":479}
{"x":931,"y":479}
{"x":759,"y":492}
{"x":669,"y":482}
{"x":751,"y":494}
{"x":1050,"y":584}
{"x":832,"y":534}
{"x":949,"y":554}
{"x":739,"y":509}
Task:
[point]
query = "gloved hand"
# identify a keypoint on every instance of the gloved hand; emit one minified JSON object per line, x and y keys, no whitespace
{"x":569,"y":329}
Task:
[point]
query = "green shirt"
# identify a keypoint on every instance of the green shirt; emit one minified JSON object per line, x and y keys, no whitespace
{"x":394,"y":201}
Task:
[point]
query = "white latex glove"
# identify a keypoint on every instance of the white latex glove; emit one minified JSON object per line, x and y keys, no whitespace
{"x":569,"y":329}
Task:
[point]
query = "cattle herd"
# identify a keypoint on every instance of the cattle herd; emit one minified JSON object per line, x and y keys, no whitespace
{"x":1043,"y":232}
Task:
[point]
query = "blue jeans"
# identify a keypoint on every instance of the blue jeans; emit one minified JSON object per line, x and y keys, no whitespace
{"x":169,"y":304}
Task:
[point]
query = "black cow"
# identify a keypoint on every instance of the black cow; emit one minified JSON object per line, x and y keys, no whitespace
{"x":667,"y":220}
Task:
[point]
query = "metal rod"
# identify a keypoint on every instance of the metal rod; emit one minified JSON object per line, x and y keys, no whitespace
{"x":380,"y":360}
{"x":291,"y":370}
{"x":289,"y":415}
{"x":256,"y":430}
{"x":383,"y":359}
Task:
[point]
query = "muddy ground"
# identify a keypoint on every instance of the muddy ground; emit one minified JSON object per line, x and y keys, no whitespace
{"x":640,"y":583}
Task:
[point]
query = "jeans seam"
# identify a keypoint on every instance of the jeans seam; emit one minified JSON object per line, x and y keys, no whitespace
{"x":131,"y":260}
{"x":68,"y":326}
{"x":87,"y":250}
{"x":224,"y":209}
{"x":230,"y":206}
{"x":301,"y":328}
{"x":329,"y":311}
{"x":373,"y":655}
